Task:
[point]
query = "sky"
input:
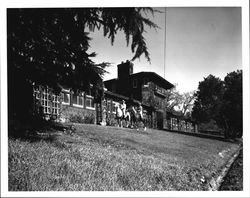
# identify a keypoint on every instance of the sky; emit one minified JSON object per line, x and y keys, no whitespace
{"x":199,"y":41}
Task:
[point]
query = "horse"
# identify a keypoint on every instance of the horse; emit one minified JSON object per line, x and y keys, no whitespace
{"x":136,"y":118}
{"x":120,"y":116}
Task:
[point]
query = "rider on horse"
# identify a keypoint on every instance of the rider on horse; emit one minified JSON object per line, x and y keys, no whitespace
{"x":122,"y":114}
{"x":140,"y":112}
{"x":123,"y":108}
{"x":141,"y":117}
{"x":137,"y":116}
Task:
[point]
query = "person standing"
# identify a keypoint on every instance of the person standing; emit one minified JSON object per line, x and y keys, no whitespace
{"x":133,"y":114}
{"x":140,"y":111}
{"x":123,"y":108}
{"x":141,"y":118}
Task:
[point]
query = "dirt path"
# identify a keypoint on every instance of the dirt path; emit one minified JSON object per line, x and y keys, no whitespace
{"x":234,"y":179}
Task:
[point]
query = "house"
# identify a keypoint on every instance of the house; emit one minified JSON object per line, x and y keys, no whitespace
{"x":81,"y":107}
{"x":133,"y":85}
{"x":147,"y":87}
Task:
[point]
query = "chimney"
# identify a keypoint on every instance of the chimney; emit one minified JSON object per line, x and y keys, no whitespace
{"x":125,"y":69}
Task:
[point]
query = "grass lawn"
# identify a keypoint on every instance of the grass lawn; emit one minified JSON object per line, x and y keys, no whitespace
{"x":98,"y":158}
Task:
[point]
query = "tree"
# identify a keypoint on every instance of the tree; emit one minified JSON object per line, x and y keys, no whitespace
{"x":187,"y":103}
{"x":50,"y":47}
{"x":221,"y":101}
{"x":232,"y":104}
{"x":173,"y":99}
{"x":208,"y":99}
{"x":176,"y":101}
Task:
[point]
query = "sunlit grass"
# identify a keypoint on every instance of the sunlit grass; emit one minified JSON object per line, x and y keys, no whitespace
{"x":99,"y":158}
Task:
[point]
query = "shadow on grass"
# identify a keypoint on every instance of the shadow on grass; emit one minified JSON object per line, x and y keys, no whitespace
{"x":36,"y":130}
{"x":234,"y":178}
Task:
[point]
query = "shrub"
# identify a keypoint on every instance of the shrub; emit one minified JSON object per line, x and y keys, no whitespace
{"x":77,"y":118}
{"x":111,"y":121}
{"x":85,"y":119}
{"x":89,"y":119}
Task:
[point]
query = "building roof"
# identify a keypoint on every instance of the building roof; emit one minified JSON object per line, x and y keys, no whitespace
{"x":162,"y":81}
{"x":154,"y":76}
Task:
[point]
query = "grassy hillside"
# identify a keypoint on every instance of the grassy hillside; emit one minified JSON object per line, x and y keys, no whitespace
{"x":96,"y":158}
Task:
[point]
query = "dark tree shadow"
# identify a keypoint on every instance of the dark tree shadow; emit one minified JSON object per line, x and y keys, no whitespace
{"x":37,"y":129}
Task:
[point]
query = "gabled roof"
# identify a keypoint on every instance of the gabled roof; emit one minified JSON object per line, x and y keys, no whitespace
{"x":157,"y":78}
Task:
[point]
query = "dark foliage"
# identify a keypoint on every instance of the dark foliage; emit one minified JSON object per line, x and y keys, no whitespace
{"x":221,"y":101}
{"x":232,"y":104}
{"x":209,"y":98}
{"x":36,"y":129}
{"x":50,"y":47}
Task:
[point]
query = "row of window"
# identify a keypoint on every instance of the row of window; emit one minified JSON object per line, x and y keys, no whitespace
{"x":145,"y":82}
{"x":51,"y":102}
{"x":160,"y":90}
{"x":78,"y":100}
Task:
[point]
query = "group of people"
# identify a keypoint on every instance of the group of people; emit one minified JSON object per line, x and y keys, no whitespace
{"x":132,"y":115}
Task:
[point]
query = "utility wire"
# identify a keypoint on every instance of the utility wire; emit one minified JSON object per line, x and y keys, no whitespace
{"x":165,"y":40}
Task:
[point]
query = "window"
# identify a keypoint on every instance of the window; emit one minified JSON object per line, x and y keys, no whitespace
{"x":45,"y":101}
{"x":77,"y":100}
{"x":90,"y":102}
{"x":55,"y":104}
{"x":65,"y":97}
{"x":161,"y":91}
{"x":135,"y":83}
{"x":49,"y":101}
{"x":174,"y":123}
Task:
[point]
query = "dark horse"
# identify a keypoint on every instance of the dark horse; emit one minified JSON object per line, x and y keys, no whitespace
{"x":136,"y":118}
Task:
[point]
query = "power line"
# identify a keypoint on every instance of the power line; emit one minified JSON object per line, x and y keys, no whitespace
{"x":165,"y":40}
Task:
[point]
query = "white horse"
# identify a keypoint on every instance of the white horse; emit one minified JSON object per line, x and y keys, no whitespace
{"x":120,"y":116}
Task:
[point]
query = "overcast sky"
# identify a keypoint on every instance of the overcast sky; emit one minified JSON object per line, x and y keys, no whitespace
{"x":199,"y":42}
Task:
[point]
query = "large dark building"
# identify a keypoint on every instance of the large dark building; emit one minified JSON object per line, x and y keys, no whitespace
{"x":147,"y":87}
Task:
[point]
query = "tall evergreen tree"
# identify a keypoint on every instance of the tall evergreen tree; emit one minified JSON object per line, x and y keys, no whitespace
{"x":50,"y":47}
{"x":208,"y":99}
{"x":232,"y":109}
